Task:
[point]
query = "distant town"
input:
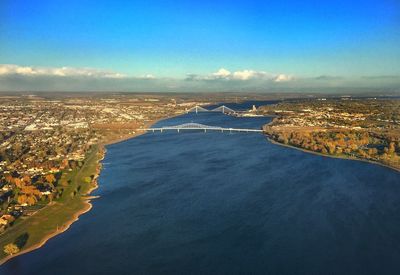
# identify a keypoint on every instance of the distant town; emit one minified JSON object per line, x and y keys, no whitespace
{"x":364,"y":129}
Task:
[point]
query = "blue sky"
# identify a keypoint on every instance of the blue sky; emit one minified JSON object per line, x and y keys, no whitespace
{"x":171,"y":40}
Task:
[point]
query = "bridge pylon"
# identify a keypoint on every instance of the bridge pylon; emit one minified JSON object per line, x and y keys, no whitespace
{"x":223,"y":109}
{"x":197,"y":109}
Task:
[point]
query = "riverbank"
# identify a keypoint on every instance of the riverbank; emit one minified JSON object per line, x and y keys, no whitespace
{"x":331,"y":156}
{"x":57,"y":217}
{"x":337,"y":129}
{"x":322,"y":154}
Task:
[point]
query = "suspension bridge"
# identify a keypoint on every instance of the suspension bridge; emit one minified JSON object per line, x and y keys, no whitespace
{"x":225,"y":110}
{"x":201,"y":127}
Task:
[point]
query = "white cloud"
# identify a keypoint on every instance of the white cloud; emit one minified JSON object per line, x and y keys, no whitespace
{"x":9,"y":69}
{"x":148,"y":76}
{"x":242,"y":76}
{"x":222,"y":73}
{"x":283,"y":78}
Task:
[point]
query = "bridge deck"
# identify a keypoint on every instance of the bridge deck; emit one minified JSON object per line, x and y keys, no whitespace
{"x":198,"y":126}
{"x":203,"y":129}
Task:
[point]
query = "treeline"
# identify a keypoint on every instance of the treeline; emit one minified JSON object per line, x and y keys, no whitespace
{"x":351,"y":143}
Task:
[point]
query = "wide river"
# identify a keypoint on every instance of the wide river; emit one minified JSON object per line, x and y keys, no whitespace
{"x":221,"y":203}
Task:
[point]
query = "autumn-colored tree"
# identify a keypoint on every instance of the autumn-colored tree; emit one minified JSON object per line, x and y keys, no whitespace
{"x":362,"y":153}
{"x":50,"y":178}
{"x":340,"y":136}
{"x":372,"y":152}
{"x":18,"y":182}
{"x":29,"y":195}
{"x":27,"y":179}
{"x":28,"y":199}
{"x":364,"y":139}
{"x":9,"y":178}
{"x":392,"y":148}
{"x":11,"y":249}
{"x":331,"y":148}
{"x":347,"y":151}
{"x":64,"y":164}
{"x":22,"y":199}
{"x":341,"y":143}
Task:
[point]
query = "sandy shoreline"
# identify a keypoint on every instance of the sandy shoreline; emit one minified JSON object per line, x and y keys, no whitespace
{"x":86,"y":199}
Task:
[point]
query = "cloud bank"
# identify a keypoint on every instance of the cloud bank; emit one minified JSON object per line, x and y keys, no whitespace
{"x":9,"y":69}
{"x":27,"y":78}
{"x":224,"y":74}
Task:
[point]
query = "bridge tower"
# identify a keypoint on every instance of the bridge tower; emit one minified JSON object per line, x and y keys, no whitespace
{"x":196,"y":109}
{"x":223,"y":109}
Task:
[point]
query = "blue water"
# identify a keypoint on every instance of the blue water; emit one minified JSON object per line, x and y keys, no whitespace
{"x":220,"y":203}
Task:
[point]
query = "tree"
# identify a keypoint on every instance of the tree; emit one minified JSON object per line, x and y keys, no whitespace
{"x":19,"y":183}
{"x":50,"y":178}
{"x":392,"y":148}
{"x":29,"y":195}
{"x":27,"y":180}
{"x":11,"y":249}
{"x":372,"y":152}
{"x":22,"y":199}
{"x":331,"y":148}
{"x":9,"y":178}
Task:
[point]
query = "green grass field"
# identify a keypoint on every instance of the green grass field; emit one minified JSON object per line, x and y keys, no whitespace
{"x":35,"y":228}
